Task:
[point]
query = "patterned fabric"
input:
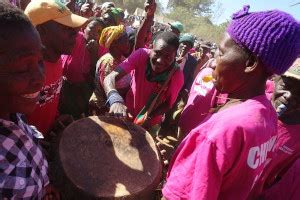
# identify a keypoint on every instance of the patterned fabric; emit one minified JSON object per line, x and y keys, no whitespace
{"x":23,"y":168}
{"x":110,"y":34}
{"x":50,"y":92}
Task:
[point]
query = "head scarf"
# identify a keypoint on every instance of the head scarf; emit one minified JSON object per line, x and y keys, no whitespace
{"x":111,"y":34}
{"x":117,"y":14}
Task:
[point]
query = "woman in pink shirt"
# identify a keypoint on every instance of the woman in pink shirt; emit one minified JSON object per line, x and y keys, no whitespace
{"x":223,"y":156}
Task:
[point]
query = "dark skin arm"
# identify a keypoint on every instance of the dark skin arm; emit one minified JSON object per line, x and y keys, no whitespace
{"x":109,"y":84}
{"x":93,"y":47}
{"x":150,"y":8}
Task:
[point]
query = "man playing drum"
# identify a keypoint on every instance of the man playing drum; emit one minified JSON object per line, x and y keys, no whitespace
{"x":156,"y":82}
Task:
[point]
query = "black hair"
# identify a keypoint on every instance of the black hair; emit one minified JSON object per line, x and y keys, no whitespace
{"x":169,"y":38}
{"x":12,"y":19}
{"x":97,"y":19}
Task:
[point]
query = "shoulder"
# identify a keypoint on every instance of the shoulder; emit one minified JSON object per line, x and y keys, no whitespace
{"x":143,"y":51}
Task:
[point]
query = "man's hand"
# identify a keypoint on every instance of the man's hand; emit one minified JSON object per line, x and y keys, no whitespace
{"x":86,"y":10}
{"x":150,"y":7}
{"x":93,"y":47}
{"x":118,"y":110}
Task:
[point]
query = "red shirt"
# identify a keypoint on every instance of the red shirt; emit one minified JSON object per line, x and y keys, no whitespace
{"x":47,"y":107}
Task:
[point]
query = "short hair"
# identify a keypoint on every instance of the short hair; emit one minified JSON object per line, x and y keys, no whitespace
{"x":169,"y":38}
{"x":12,"y":17}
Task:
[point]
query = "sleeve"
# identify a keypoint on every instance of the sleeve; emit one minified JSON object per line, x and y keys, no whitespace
{"x":134,"y":60}
{"x":175,"y":87}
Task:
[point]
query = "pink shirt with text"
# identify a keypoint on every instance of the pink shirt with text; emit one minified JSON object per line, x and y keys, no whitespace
{"x":287,"y":150}
{"x":223,"y":157}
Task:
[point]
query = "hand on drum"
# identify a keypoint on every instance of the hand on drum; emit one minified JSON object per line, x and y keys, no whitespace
{"x":119,"y":110}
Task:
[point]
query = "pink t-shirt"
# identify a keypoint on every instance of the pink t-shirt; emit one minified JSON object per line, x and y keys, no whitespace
{"x":287,"y":148}
{"x":222,"y":157}
{"x":288,"y":187}
{"x":270,"y":86}
{"x":141,"y":89}
{"x":77,"y":66}
{"x":202,"y":97}
{"x":199,"y":102}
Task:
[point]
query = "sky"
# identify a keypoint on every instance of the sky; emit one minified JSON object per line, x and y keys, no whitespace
{"x":231,"y":6}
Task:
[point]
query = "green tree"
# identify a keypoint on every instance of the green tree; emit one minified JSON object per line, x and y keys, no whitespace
{"x":199,"y":7}
{"x":131,"y":5}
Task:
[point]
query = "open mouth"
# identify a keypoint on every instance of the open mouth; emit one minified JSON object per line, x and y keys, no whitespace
{"x":31,"y":96}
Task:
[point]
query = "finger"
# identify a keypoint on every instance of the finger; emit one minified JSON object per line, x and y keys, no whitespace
{"x":124,"y":114}
{"x":129,"y":116}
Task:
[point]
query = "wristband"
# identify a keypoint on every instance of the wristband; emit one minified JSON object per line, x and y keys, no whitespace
{"x":114,"y":97}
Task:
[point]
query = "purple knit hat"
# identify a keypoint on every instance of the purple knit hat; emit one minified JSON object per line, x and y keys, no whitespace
{"x":273,"y":36}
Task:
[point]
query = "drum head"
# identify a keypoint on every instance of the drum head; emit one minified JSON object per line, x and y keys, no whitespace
{"x":105,"y":157}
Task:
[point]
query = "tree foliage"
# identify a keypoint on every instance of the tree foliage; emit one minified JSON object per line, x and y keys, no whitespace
{"x":131,"y":5}
{"x":198,"y":7}
{"x":196,"y":15}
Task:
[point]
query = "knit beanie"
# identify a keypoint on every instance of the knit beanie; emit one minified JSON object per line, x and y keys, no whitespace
{"x":273,"y":36}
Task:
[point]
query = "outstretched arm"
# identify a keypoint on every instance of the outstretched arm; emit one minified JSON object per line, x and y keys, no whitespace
{"x":150,"y":8}
{"x":116,"y":102}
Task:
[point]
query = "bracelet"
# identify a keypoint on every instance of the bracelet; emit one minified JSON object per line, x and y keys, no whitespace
{"x":111,"y":91}
{"x":114,"y":97}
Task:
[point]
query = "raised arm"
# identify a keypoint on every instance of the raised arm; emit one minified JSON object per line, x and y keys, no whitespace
{"x":150,"y":8}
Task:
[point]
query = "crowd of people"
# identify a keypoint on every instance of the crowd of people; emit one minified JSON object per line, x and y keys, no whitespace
{"x":233,"y":109}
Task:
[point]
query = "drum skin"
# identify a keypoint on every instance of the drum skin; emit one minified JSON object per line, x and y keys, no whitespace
{"x":105,"y":158}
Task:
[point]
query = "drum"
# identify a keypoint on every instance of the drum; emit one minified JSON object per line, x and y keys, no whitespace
{"x":105,"y":158}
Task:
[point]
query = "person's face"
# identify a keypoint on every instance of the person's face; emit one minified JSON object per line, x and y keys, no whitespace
{"x":184,"y":48}
{"x":176,"y":31}
{"x":92,"y":31}
{"x":162,"y":56}
{"x":59,"y":38}
{"x":122,"y":44}
{"x":205,"y":51}
{"x":21,"y":72}
{"x":229,"y":74}
{"x":97,"y":11}
{"x":287,"y":92}
{"x":87,"y":10}
{"x":108,"y":20}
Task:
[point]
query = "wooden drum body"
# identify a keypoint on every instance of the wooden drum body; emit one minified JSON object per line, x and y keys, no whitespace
{"x":105,"y":158}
